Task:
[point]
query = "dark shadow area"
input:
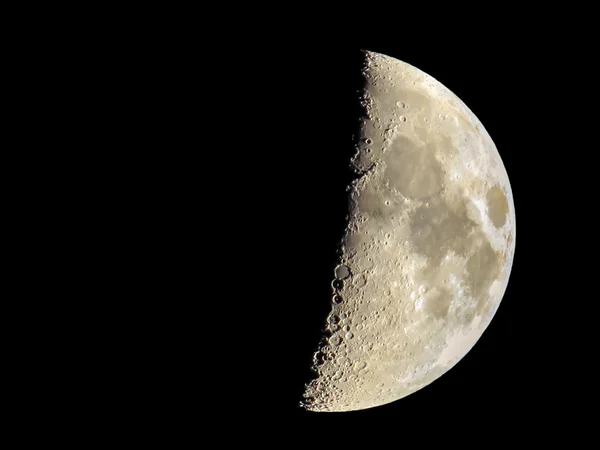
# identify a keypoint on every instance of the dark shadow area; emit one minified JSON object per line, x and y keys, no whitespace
{"x":288,"y":138}
{"x":307,"y":203}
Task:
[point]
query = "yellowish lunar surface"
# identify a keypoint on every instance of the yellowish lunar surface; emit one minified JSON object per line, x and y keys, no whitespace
{"x":428,"y":248}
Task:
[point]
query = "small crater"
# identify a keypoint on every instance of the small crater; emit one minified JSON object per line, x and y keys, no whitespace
{"x":335,"y":340}
{"x":342,"y":272}
{"x":360,"y":281}
{"x":360,"y":365}
{"x":334,"y":320}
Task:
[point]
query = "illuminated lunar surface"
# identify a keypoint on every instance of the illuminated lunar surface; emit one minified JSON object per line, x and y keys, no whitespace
{"x":428,"y":248}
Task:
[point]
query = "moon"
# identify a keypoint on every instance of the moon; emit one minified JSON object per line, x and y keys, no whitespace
{"x":428,"y":248}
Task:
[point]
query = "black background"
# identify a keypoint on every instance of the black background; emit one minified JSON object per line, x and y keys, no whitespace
{"x":221,"y":165}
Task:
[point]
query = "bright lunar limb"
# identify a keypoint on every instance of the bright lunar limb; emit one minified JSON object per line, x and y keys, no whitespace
{"x":428,"y":248}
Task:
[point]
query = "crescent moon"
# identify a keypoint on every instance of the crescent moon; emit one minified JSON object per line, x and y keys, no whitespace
{"x":428,"y":248}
